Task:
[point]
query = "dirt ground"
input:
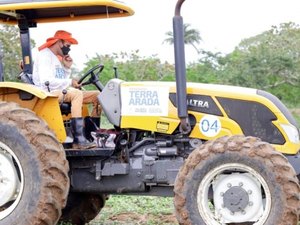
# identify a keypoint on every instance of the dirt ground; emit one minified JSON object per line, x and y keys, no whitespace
{"x":143,"y":219}
{"x":131,"y":218}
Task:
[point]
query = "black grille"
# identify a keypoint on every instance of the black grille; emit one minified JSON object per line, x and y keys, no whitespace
{"x":254,"y":118}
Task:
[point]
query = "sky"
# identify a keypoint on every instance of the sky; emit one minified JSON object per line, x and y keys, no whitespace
{"x":222,"y":25}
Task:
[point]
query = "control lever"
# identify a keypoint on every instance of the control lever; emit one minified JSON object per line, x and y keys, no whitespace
{"x":64,"y":92}
{"x":116,"y":72}
{"x":47,"y":83}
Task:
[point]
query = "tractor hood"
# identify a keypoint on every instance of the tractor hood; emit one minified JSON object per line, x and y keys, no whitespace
{"x":43,"y":11}
{"x":219,"y":100}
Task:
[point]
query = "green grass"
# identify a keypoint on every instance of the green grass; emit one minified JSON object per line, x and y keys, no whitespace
{"x":136,"y":210}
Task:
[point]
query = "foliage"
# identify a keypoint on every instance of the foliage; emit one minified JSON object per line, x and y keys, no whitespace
{"x":206,"y":70}
{"x":11,"y":51}
{"x":10,"y":40}
{"x":131,"y":67}
{"x":269,"y":61}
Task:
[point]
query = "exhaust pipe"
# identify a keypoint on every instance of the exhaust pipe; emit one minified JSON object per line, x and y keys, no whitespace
{"x":180,"y":69}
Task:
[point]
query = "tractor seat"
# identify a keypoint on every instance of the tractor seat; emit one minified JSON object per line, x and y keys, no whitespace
{"x":65,"y":107}
{"x":25,"y":77}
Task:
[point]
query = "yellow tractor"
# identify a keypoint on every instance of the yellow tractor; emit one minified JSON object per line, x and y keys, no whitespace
{"x":228,"y":155}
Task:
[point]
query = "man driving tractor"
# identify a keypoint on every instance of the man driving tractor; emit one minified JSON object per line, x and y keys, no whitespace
{"x":51,"y":72}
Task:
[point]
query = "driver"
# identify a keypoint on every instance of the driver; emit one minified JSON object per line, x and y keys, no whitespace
{"x":51,"y":72}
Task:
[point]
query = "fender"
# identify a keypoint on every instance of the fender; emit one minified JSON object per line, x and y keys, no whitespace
{"x":39,"y":101}
{"x":32,"y":89}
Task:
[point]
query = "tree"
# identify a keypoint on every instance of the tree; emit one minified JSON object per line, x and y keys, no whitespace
{"x":12,"y":55}
{"x":269,"y":61}
{"x":191,"y":37}
{"x":131,"y":67}
{"x":9,"y":37}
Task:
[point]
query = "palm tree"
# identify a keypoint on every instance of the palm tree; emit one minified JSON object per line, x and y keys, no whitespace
{"x":191,"y":37}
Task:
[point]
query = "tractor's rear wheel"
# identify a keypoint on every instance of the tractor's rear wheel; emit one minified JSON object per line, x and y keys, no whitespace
{"x":82,"y":208}
{"x":237,"y":180}
{"x":34,"y":179}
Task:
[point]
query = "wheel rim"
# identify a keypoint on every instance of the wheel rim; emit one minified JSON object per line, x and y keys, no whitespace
{"x":245,"y":184}
{"x":11,"y":181}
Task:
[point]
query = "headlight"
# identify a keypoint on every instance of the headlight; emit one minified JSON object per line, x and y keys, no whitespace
{"x":291,"y":132}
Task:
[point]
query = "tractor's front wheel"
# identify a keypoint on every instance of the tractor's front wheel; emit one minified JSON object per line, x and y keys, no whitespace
{"x":237,"y":180}
{"x":34,"y":179}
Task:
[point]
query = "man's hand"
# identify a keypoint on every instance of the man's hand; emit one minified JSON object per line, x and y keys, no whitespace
{"x":75,"y":84}
{"x":67,"y":61}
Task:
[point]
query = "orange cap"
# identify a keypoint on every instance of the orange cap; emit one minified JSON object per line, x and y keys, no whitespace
{"x":59,"y":35}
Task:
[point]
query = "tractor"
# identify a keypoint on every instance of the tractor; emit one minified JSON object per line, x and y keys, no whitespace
{"x":228,"y":155}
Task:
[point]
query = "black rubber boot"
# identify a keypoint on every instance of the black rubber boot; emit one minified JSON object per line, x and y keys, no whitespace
{"x":96,"y":121}
{"x":80,"y":142}
{"x":91,"y":124}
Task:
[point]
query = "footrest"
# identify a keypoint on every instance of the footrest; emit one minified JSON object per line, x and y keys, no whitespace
{"x":89,"y":152}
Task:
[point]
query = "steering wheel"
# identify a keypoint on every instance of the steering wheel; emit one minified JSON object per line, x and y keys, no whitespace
{"x":94,"y":77}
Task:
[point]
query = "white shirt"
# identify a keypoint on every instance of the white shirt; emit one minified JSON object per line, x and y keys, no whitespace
{"x":47,"y":67}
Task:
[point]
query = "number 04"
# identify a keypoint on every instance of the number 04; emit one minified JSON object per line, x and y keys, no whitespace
{"x":207,"y":125}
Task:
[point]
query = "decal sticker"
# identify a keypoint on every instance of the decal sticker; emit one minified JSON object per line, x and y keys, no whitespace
{"x":197,"y":103}
{"x":145,"y":101}
{"x":210,"y":126}
{"x":162,"y":126}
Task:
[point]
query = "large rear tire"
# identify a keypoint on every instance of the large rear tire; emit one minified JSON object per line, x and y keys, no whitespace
{"x":236,"y":180}
{"x":82,"y":208}
{"x":34,"y":179}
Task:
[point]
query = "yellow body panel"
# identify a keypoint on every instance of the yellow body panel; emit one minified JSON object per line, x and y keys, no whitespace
{"x":169,"y":123}
{"x":151,"y":123}
{"x":25,"y":87}
{"x":165,"y":125}
{"x":49,"y":110}
{"x":229,"y":127}
{"x":44,"y":104}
